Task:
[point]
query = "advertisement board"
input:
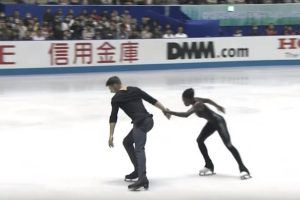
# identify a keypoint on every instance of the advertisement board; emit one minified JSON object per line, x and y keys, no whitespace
{"x":157,"y":52}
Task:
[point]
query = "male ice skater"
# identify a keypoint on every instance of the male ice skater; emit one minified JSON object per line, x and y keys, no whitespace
{"x":214,"y":123}
{"x":129,"y":99}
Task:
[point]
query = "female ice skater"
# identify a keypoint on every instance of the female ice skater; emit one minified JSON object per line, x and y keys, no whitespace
{"x":129,"y":99}
{"x":215,"y":123}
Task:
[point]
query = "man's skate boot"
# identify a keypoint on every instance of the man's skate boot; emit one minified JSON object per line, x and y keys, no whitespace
{"x":141,"y":183}
{"x":131,"y":177}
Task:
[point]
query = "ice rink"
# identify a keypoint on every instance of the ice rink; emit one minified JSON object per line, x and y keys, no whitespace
{"x":54,"y":136}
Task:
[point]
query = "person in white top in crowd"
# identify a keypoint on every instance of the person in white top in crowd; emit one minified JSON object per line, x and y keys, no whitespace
{"x":238,"y":33}
{"x":88,"y":33}
{"x":146,"y":34}
{"x":39,"y":36}
{"x":168,"y":34}
{"x":180,"y":33}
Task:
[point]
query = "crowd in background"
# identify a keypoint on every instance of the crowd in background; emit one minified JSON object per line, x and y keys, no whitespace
{"x":269,"y":30}
{"x":104,"y":25}
{"x":145,"y":2}
{"x":85,"y":26}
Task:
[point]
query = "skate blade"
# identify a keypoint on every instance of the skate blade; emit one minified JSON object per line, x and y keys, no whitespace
{"x":246,"y":177}
{"x":130,"y":180}
{"x":210,"y":174}
{"x":139,"y":189}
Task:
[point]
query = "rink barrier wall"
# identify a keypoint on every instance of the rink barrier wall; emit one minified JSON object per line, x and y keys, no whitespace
{"x":59,"y":57}
{"x":150,"y":67}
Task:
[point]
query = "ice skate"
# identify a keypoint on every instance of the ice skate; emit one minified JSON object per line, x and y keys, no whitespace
{"x":245,"y":175}
{"x":206,"y":172}
{"x":141,"y":183}
{"x":131,"y":177}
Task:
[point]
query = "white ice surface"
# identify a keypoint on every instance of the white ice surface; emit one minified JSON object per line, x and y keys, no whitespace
{"x":54,"y":134}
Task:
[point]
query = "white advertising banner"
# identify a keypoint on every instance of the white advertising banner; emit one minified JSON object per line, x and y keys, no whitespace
{"x":46,"y":54}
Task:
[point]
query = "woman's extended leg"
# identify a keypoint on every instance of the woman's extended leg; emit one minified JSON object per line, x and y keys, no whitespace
{"x":223,"y":131}
{"x":207,"y":131}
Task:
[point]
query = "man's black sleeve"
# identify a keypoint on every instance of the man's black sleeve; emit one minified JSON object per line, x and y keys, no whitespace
{"x":147,"y":97}
{"x":114,"y":112}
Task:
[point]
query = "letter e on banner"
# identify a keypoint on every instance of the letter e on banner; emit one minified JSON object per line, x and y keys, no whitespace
{"x":4,"y":53}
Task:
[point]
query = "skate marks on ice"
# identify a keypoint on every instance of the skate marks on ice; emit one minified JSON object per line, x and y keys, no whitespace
{"x":205,"y":77}
{"x":62,"y":121}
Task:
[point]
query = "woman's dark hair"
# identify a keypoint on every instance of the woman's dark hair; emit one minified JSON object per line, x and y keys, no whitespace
{"x":188,"y":93}
{"x":113,"y":80}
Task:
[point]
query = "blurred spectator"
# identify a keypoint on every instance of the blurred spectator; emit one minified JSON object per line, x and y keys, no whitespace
{"x":16,"y":17}
{"x":180,"y":33}
{"x":98,"y":34}
{"x":57,"y":29}
{"x":192,"y":1}
{"x":238,"y":33}
{"x":110,"y":32}
{"x":157,"y":32}
{"x":114,"y":16}
{"x":75,"y":2}
{"x":167,"y":27}
{"x":38,"y":36}
{"x":146,"y":21}
{"x":52,"y":2}
{"x":76,"y":30}
{"x":148,"y":2}
{"x":168,"y":34}
{"x":67,"y":35}
{"x":102,"y":24}
{"x":135,"y":34}
{"x":254,"y":1}
{"x":288,"y":30}
{"x":123,"y":34}
{"x":2,"y":15}
{"x":146,"y":34}
{"x":277,"y":1}
{"x":270,"y":30}
{"x":63,"y":2}
{"x":2,"y":31}
{"x":21,"y":30}
{"x":254,"y":31}
{"x":48,"y":16}
{"x":88,"y":33}
{"x":27,"y":36}
{"x":8,"y":32}
{"x":28,"y":19}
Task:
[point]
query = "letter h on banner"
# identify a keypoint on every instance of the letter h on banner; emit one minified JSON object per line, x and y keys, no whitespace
{"x":288,"y":43}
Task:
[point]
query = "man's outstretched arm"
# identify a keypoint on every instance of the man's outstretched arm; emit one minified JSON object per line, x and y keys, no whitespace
{"x":154,"y":102}
{"x":162,"y":108}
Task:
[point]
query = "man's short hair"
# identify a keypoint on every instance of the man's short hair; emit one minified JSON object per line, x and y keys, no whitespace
{"x":113,"y":80}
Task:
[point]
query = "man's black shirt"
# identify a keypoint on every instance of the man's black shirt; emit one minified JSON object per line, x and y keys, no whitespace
{"x":130,"y":101}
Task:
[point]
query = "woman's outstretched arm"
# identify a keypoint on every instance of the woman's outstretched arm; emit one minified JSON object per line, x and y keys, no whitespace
{"x":181,"y":114}
{"x":211,"y":102}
